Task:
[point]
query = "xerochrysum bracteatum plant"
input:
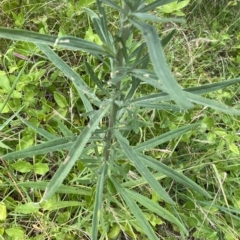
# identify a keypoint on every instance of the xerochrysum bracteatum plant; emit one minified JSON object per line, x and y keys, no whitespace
{"x":106,"y":143}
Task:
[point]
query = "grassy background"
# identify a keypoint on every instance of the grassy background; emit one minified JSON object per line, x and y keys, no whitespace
{"x":204,"y":50}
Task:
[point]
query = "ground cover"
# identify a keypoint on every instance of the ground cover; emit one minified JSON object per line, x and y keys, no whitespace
{"x":203,"y":50}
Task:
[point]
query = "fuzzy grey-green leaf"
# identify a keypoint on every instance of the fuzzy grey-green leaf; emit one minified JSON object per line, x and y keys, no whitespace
{"x":169,"y":84}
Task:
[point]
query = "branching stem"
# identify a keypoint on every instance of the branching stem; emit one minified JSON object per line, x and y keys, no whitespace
{"x":118,"y":62}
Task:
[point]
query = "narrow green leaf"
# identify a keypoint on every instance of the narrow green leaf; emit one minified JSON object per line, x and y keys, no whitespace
{"x":143,"y":73}
{"x":78,"y":190}
{"x":50,"y":146}
{"x":68,"y":42}
{"x":148,"y":77}
{"x":137,"y":53}
{"x":212,"y":104}
{"x":40,"y":131}
{"x":103,"y":20}
{"x":121,"y":74}
{"x":138,"y":214}
{"x":78,"y":82}
{"x":95,"y":78}
{"x":155,"y":4}
{"x":233,"y":211}
{"x":143,"y":170}
{"x":98,"y":202}
{"x":141,"y":181}
{"x":169,"y":84}
{"x":206,"y":88}
{"x":62,"y":204}
{"x":64,"y":129}
{"x":97,"y":24}
{"x":152,"y":98}
{"x":46,"y":147}
{"x":167,"y":107}
{"x":113,"y":5}
{"x":133,"y":89}
{"x":157,"y":209}
{"x":129,"y":4}
{"x":140,"y":62}
{"x":124,"y":49}
{"x":138,"y":4}
{"x":149,"y":144}
{"x":167,"y":38}
{"x":158,"y":97}
{"x":153,"y":18}
{"x":74,"y":153}
{"x":177,"y":176}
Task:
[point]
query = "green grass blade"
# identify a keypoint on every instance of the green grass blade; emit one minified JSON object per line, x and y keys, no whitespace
{"x":143,"y":170}
{"x":13,"y":87}
{"x":165,"y":77}
{"x":68,"y":42}
{"x":212,"y":104}
{"x":78,"y":82}
{"x":231,"y":211}
{"x":2,"y":126}
{"x":164,"y":138}
{"x":98,"y":202}
{"x":157,"y":209}
{"x":74,"y":153}
{"x":177,"y":176}
{"x":138,"y":214}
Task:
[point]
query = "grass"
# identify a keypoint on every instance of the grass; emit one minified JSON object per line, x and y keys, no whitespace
{"x":204,"y":50}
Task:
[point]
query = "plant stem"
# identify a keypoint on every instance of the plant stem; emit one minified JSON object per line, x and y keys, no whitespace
{"x":118,"y":62}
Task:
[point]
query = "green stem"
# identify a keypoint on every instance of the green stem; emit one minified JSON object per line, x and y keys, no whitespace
{"x":118,"y":62}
